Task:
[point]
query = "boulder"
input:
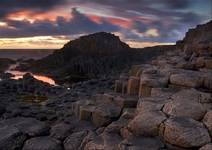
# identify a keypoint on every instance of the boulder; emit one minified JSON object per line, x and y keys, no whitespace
{"x":42,"y":143}
{"x":147,"y":124}
{"x":184,"y":132}
{"x":206,"y":147}
{"x":181,"y":108}
{"x":60,"y":131}
{"x":207,"y":120}
{"x":74,"y":141}
{"x":141,"y":143}
{"x":11,"y":138}
{"x":133,"y":85}
{"x":29,"y":126}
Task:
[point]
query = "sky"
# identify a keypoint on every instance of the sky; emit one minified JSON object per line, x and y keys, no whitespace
{"x":49,"y":24}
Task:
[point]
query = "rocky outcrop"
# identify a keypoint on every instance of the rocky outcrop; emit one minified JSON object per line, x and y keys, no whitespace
{"x":92,"y":56}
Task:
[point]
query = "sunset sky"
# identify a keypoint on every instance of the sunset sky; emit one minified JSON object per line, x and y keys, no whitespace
{"x":49,"y":24}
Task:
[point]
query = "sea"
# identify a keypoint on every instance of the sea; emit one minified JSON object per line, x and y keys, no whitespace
{"x":24,"y":54}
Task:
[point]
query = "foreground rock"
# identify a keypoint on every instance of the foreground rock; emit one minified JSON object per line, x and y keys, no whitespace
{"x":184,"y":132}
{"x":42,"y":143}
{"x":28,"y":126}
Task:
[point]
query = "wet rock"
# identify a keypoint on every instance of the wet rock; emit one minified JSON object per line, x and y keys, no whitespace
{"x":11,"y":138}
{"x":147,"y":124}
{"x":42,"y":143}
{"x":184,"y":132}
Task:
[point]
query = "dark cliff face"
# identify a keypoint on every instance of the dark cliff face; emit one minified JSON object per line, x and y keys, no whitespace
{"x":86,"y":57}
{"x":198,"y":40}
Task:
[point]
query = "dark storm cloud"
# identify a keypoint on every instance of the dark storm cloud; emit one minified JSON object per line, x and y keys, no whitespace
{"x":79,"y":24}
{"x":171,"y":18}
{"x":11,"y":6}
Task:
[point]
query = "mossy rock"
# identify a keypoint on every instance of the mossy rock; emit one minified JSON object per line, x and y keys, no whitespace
{"x":34,"y":98}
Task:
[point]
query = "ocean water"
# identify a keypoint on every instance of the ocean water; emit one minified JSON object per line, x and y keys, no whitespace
{"x":24,"y":53}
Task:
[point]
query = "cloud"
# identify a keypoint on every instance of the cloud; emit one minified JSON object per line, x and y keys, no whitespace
{"x":155,"y":21}
{"x":11,"y":6}
{"x":78,"y":24}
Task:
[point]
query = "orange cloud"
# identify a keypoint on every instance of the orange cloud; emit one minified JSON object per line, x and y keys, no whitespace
{"x":96,"y":19}
{"x":124,"y":23}
{"x":32,"y":16}
{"x":120,"y":22}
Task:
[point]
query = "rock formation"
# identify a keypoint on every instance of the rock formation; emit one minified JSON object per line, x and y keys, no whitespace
{"x":88,"y":57}
{"x":163,"y":104}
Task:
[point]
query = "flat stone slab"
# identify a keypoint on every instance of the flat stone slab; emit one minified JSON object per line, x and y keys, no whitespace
{"x":42,"y":143}
{"x":185,"y":132}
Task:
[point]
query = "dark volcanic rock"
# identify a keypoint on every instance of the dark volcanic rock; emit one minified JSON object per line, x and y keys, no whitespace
{"x":42,"y":143}
{"x":11,"y":138}
{"x":29,"y":126}
{"x":86,"y":57}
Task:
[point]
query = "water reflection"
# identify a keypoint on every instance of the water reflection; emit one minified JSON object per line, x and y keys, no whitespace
{"x":19,"y":74}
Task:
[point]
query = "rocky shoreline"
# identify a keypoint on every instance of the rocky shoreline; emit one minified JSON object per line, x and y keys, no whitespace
{"x":162,"y":104}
